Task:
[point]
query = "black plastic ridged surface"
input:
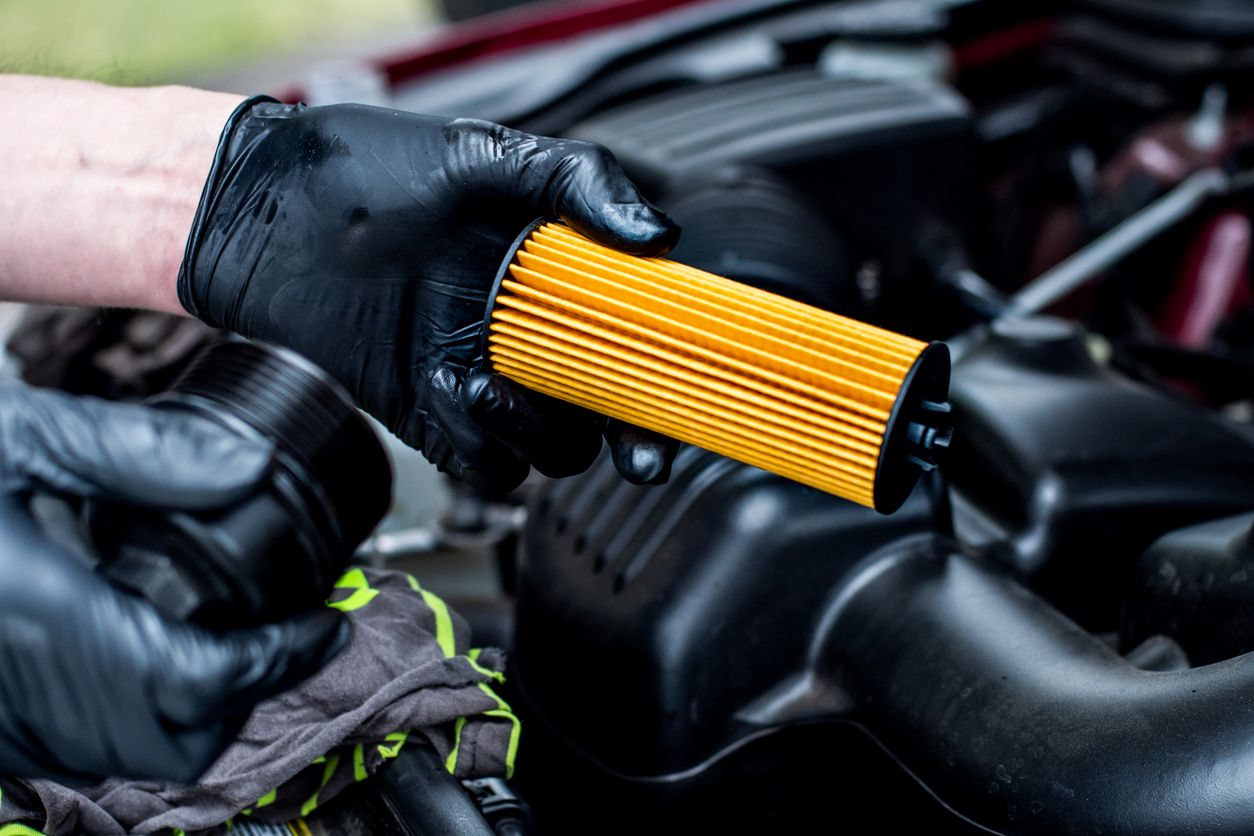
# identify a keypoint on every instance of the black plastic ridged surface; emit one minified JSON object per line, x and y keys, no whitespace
{"x":767,"y":120}
{"x":601,"y":518}
{"x":704,"y":591}
{"x":287,"y":398}
{"x":755,"y":227}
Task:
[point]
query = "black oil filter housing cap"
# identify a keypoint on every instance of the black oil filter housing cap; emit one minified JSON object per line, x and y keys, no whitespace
{"x":280,"y":550}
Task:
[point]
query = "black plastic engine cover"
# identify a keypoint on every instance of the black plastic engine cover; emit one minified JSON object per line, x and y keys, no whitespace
{"x":1196,"y":585}
{"x":784,"y":120}
{"x":678,"y":605}
{"x":1078,"y":468}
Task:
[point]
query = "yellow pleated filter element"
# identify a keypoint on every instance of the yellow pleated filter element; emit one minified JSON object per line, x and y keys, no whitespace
{"x":825,"y":400}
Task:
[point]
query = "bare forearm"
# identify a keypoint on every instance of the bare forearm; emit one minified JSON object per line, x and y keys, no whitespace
{"x":98,"y":186}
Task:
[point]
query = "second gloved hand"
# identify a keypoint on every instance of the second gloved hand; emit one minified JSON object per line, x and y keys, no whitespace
{"x":94,"y":682}
{"x":368,"y":238}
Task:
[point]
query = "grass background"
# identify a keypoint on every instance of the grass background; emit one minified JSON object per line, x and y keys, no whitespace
{"x":154,"y":41}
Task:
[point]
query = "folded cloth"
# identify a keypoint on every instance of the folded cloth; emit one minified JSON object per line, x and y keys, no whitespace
{"x":407,"y":670}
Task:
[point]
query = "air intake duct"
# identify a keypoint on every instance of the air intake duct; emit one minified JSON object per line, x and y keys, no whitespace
{"x":828,"y":401}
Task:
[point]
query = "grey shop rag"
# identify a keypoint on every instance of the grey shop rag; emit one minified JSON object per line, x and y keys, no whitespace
{"x":408,"y":670}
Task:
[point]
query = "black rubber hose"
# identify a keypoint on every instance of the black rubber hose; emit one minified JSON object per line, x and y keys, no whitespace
{"x":427,"y":799}
{"x":1024,"y":723}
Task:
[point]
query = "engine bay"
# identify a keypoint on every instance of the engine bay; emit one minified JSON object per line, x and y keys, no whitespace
{"x":1053,"y":633}
{"x":1048,"y":636}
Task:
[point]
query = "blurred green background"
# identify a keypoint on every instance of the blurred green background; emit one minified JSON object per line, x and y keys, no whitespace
{"x":154,"y":41}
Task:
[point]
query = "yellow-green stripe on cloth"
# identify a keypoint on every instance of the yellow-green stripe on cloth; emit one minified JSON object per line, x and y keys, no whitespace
{"x":444,"y":635}
{"x":15,"y":829}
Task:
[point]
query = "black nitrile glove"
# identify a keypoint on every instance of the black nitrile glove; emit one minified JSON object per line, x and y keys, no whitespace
{"x":94,"y":682}
{"x":368,"y":238}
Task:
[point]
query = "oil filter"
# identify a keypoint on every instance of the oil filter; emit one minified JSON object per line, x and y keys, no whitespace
{"x":825,"y":400}
{"x":280,"y":550}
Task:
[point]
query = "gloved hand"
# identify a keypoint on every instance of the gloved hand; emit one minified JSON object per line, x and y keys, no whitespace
{"x":94,"y":682}
{"x":368,"y":238}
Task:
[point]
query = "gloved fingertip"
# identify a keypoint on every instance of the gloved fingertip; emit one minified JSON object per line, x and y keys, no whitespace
{"x":579,"y":450}
{"x":249,"y":458}
{"x":468,"y":409}
{"x":641,"y":457}
{"x":477,"y":389}
{"x":638,"y":228}
{"x":645,"y":230}
{"x":273,"y":658}
{"x":193,"y":765}
{"x":286,"y":652}
{"x":317,"y":637}
{"x":597,"y":198}
{"x":557,"y":439}
{"x":490,"y":401}
{"x":641,"y":464}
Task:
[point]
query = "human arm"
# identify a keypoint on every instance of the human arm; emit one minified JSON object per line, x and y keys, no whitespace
{"x":379,"y":236}
{"x":99,"y":188}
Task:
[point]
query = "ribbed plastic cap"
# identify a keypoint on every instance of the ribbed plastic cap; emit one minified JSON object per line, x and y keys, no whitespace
{"x":311,"y":418}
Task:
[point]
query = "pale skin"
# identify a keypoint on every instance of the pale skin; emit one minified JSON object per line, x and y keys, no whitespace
{"x":97,"y":210}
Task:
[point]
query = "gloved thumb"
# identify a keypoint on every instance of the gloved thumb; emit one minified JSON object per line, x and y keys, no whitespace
{"x":87,"y":447}
{"x":212,"y":677}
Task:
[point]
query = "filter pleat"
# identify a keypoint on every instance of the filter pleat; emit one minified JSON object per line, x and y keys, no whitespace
{"x":716,"y":328}
{"x":645,"y":353}
{"x":763,"y":379}
{"x":697,"y":419}
{"x":694,"y":403}
{"x":749,"y":448}
{"x":709,"y":390}
{"x":804,"y":319}
{"x":780,"y":377}
{"x":810,"y":344}
{"x":520,"y":329}
{"x":729,"y":342}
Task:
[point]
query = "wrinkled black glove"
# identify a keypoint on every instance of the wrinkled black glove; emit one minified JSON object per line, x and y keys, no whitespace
{"x":95,"y":683}
{"x":368,"y":238}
